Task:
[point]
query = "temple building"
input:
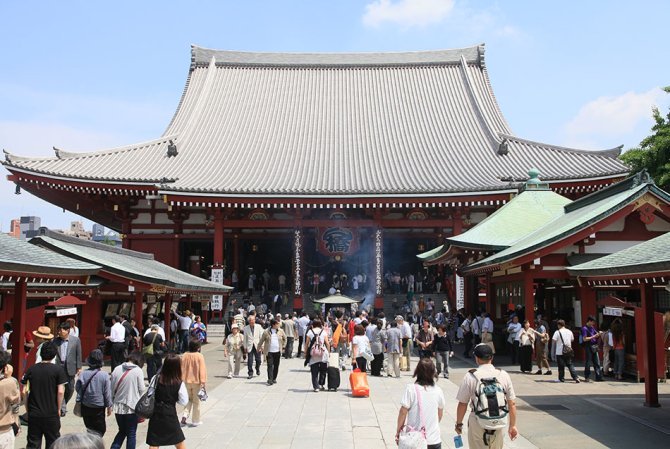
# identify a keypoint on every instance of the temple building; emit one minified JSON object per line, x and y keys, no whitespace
{"x":316,"y":165}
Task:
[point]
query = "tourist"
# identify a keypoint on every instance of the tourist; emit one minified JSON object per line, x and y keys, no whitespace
{"x":619,"y":346}
{"x":127,"y":389}
{"x":393,"y":349}
{"x":74,"y":330}
{"x":513,"y":331}
{"x":95,"y":394}
{"x":282,"y":283}
{"x":359,"y":345}
{"x":444,"y":349}
{"x":289,"y":328}
{"x":153,"y":350}
{"x":272,"y":342}
{"x":591,"y":339}
{"x":69,"y":357}
{"x":302,"y":324}
{"x":316,"y":341}
{"x":194,"y":376}
{"x":479,"y":438}
{"x":184,"y":327}
{"x":6,"y":336}
{"x":198,"y":329}
{"x":466,"y":325}
{"x":563,"y":338}
{"x":83,"y":440}
{"x":541,"y":340}
{"x":424,"y":340}
{"x":46,"y":382}
{"x":526,"y":343}
{"x":232,"y":349}
{"x":406,"y":332}
{"x":422,"y":405}
{"x":164,"y":428}
{"x":117,"y":336}
{"x":377,"y":337}
{"x":10,"y":401}
{"x":252,"y":338}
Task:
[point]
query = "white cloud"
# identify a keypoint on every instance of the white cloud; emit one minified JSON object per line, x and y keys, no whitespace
{"x":407,"y":13}
{"x":625,"y":118}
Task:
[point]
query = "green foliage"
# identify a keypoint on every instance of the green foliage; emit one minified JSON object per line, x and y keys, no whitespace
{"x":654,"y":151}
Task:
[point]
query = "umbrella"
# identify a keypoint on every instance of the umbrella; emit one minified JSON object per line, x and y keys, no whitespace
{"x":337,"y":298}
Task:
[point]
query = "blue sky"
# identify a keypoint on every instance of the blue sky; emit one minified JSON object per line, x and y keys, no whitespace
{"x":84,"y":75}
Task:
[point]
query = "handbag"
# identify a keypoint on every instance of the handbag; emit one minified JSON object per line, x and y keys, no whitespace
{"x":202,"y":394}
{"x":411,"y":438}
{"x":77,"y":404}
{"x":145,"y":406}
{"x":568,"y":352}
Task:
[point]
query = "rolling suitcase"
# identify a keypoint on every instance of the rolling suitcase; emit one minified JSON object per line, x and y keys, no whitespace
{"x":333,"y":378}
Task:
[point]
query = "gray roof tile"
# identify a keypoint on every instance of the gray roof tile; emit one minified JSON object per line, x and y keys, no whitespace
{"x":333,"y":124}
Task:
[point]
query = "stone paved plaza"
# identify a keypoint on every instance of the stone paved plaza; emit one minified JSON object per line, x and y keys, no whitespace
{"x":248,"y":414}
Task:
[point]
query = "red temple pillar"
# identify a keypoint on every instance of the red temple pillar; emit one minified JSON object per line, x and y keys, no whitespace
{"x":90,"y":319}
{"x":219,"y":260}
{"x":379,"y":268}
{"x":649,"y":341}
{"x":236,"y":256}
{"x":19,"y":326}
{"x":167,"y":307}
{"x":587,"y":297}
{"x":297,"y":270}
{"x":139,"y":316}
{"x":529,"y":295}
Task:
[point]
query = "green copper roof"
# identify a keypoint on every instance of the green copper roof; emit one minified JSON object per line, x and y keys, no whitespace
{"x":18,"y":256}
{"x":129,"y":264}
{"x":651,"y":256}
{"x":523,"y":215}
{"x":432,"y":254}
{"x":578,"y":215}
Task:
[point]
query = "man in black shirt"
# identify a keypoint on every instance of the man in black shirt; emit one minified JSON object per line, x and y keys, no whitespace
{"x":46,"y":383}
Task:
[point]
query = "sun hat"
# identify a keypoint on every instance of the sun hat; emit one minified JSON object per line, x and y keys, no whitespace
{"x":43,"y":332}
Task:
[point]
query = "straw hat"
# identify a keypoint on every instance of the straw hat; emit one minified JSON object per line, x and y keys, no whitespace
{"x":43,"y":332}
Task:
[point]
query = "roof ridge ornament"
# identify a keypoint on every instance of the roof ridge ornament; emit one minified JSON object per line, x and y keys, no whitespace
{"x":171,"y":149}
{"x":643,"y":177}
{"x":534,"y":182}
{"x":503,"y":147}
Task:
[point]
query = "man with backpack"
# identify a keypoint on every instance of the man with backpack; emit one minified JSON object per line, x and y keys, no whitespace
{"x":490,"y":395}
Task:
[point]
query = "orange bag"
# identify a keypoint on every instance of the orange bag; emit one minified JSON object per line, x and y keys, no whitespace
{"x":359,"y":384}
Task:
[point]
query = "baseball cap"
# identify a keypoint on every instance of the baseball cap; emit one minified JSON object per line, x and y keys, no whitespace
{"x":483,"y":351}
{"x":234,"y":326}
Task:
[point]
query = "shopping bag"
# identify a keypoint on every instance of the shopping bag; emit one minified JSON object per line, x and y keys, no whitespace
{"x":359,"y":384}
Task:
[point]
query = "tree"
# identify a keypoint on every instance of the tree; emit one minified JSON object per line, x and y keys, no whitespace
{"x":654,"y":151}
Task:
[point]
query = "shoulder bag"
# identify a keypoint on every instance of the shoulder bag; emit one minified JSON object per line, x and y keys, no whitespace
{"x":77,"y":404}
{"x":145,"y":406}
{"x":411,"y":438}
{"x":568,"y":352}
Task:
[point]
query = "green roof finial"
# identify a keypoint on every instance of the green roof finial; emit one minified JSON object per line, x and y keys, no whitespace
{"x":534,"y":174}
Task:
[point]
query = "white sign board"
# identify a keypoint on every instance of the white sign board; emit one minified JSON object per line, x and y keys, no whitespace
{"x":217,"y":302}
{"x":612,"y":311}
{"x":66,"y":312}
{"x":460,"y":293}
{"x":217,"y":275}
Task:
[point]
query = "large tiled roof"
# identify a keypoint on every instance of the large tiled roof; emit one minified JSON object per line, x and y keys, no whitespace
{"x":418,"y":123}
{"x":18,"y":256}
{"x":132,"y":265}
{"x":650,"y":257}
{"x":578,"y":215}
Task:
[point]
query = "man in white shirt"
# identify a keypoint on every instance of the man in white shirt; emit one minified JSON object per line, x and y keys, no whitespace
{"x":478,"y":438}
{"x":406,"y":332}
{"x":303,"y":322}
{"x":184,"y":328}
{"x":117,"y":336}
{"x":514,"y":331}
{"x":563,"y":338}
